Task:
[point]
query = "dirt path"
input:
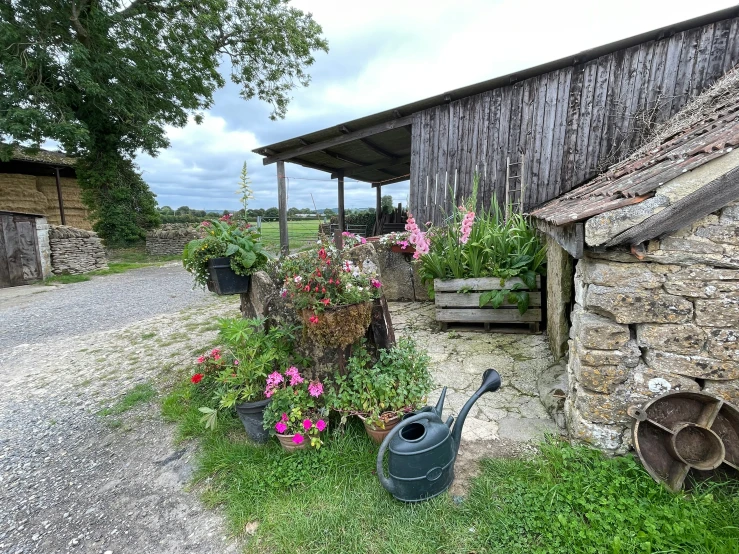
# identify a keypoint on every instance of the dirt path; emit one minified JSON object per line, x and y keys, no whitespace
{"x":75,"y":481}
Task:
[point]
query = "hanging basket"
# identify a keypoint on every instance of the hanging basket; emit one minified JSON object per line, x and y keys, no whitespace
{"x":338,"y":327}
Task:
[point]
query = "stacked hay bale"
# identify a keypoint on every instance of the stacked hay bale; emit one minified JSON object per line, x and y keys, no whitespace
{"x":75,"y":250}
{"x":170,"y":239}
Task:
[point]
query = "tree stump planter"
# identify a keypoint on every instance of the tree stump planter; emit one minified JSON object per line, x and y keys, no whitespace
{"x":289,"y":446}
{"x":453,"y":306}
{"x":338,"y":327}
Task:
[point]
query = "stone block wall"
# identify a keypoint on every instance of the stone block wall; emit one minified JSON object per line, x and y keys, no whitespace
{"x":400,"y":279}
{"x":44,"y":247}
{"x":75,"y":250}
{"x":641,"y":328}
{"x":170,"y":239}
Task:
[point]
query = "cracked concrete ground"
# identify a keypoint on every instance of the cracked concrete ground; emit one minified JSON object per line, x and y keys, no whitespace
{"x":513,"y":416}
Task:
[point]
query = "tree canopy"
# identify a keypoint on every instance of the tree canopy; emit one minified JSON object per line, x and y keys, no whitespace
{"x":104,"y":78}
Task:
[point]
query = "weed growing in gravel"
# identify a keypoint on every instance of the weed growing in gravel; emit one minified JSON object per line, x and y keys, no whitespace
{"x":137,"y":395}
{"x":147,"y":336}
{"x":65,"y":279}
{"x":567,"y":499}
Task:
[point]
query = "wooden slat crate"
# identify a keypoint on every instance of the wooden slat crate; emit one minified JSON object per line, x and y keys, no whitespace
{"x":464,"y":307}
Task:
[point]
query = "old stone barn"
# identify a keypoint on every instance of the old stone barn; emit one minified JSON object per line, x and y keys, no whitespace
{"x":642,"y":239}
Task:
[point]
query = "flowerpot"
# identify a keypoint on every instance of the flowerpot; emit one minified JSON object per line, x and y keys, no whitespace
{"x":251,"y":415}
{"x":378,"y":434}
{"x":373,"y":239}
{"x":400,"y":250}
{"x":225,"y":280}
{"x":289,"y":446}
{"x":338,"y":327}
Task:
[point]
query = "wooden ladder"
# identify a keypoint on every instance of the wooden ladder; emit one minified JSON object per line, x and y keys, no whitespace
{"x":514,"y":187}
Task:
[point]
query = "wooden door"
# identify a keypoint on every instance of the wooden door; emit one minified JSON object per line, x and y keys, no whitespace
{"x":20,"y":262}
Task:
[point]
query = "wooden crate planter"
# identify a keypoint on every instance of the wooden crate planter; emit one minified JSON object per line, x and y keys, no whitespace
{"x":458,"y":307}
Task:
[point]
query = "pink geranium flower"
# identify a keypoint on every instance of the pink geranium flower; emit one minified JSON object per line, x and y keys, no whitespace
{"x":280,"y":427}
{"x":320,"y":425}
{"x":313,"y":319}
{"x":294,"y":374}
{"x":284,"y":417}
{"x":307,"y":424}
{"x":201,"y":359}
{"x":315,"y":389}
{"x":298,"y":438}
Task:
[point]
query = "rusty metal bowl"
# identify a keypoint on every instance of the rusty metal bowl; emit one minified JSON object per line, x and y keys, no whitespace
{"x":682,"y":433}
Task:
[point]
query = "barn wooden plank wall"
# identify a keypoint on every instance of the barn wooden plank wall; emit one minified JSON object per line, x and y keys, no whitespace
{"x":570,"y":124}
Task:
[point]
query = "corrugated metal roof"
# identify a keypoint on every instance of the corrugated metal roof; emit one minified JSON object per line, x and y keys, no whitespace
{"x":704,"y":130}
{"x":397,"y":142}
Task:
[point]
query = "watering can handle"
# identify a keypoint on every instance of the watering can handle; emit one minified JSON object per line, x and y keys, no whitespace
{"x":386,"y":442}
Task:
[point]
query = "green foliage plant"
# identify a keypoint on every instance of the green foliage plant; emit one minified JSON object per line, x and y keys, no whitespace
{"x":491,"y":247}
{"x":399,"y":382}
{"x":238,"y":372}
{"x":323,"y":278}
{"x":225,"y":237}
{"x":297,"y":408}
{"x":105,"y":79}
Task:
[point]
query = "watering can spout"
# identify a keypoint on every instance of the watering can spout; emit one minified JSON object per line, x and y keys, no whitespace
{"x":440,"y":404}
{"x":490,"y":383}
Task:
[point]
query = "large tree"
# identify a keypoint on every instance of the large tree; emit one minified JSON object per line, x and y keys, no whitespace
{"x":104,"y":77}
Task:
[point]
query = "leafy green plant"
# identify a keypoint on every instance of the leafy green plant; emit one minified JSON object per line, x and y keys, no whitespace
{"x":238,"y":372}
{"x":297,"y":407}
{"x":484,"y":244}
{"x":398,"y":383}
{"x":225,"y":237}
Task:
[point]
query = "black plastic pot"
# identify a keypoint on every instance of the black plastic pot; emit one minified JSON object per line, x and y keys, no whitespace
{"x":251,"y":415}
{"x":224,"y":280}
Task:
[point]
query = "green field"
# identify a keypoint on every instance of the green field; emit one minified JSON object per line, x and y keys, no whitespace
{"x":302,"y":233}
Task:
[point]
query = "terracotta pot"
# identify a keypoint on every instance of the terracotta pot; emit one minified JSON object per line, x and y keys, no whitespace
{"x":373,"y":239}
{"x":377,"y":434}
{"x":289,"y":446}
{"x":399,"y":249}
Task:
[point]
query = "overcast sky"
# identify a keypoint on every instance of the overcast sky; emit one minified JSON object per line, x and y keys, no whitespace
{"x":384,"y":54}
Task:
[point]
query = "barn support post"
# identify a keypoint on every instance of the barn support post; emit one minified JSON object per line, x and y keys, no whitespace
{"x":342,"y":226}
{"x":59,"y":195}
{"x":282,"y":207}
{"x":378,"y":208}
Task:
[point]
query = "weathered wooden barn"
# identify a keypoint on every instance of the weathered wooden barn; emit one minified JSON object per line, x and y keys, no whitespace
{"x":544,"y":130}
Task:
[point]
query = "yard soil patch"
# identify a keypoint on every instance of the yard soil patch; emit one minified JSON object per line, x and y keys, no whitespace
{"x":73,"y":480}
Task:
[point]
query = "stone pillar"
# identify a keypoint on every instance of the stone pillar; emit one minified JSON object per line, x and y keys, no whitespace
{"x":44,"y":248}
{"x":559,"y":297}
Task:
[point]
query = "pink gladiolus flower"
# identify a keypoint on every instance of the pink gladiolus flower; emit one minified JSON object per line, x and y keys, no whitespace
{"x":307,"y":424}
{"x":201,"y":359}
{"x":206,"y":224}
{"x":315,"y":389}
{"x":403,"y":244}
{"x":363,"y":240}
{"x":283,"y":417}
{"x":320,"y":425}
{"x":298,"y":438}
{"x":280,"y":427}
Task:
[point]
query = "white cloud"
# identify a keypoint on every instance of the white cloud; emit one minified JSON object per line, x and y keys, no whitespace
{"x":386,"y":54}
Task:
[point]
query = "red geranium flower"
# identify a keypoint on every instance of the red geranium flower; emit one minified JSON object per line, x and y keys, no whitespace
{"x":197,"y":378}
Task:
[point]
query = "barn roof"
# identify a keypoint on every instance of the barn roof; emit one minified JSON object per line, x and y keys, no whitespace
{"x":41,"y":156}
{"x":376,"y":148}
{"x":705,"y":129}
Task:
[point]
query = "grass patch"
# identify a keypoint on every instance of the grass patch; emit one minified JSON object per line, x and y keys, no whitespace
{"x":567,"y":499}
{"x":118,"y":267}
{"x":65,"y":279}
{"x":137,"y":395}
{"x":147,"y":336}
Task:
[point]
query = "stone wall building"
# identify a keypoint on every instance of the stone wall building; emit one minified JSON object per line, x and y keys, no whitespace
{"x":655,"y":290}
{"x":34,"y":182}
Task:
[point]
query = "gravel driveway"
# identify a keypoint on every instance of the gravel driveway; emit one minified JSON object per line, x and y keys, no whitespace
{"x":72,"y":480}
